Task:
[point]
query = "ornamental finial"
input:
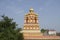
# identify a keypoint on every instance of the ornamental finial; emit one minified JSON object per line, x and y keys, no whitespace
{"x":31,"y":10}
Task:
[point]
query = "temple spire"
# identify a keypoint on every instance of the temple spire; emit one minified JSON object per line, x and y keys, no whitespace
{"x":31,"y":10}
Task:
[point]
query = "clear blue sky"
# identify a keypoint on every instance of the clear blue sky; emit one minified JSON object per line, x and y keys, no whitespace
{"x":48,"y":11}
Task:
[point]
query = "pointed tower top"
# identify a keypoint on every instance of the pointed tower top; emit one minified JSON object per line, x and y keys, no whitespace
{"x":31,"y":10}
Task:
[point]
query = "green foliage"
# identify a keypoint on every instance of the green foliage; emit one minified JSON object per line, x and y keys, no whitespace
{"x":43,"y":30}
{"x":8,"y":30}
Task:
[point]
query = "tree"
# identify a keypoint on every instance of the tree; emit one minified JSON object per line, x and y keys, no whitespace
{"x":8,"y":29}
{"x":19,"y":34}
{"x":43,"y":30}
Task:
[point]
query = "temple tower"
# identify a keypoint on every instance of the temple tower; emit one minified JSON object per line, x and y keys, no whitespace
{"x":31,"y":25}
{"x":31,"y":21}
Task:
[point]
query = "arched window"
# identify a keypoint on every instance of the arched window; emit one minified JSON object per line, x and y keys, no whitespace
{"x":35,"y":19}
{"x":26,"y":19}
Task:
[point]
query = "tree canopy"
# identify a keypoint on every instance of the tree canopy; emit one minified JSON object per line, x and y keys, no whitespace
{"x":43,"y":30}
{"x":8,"y":29}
